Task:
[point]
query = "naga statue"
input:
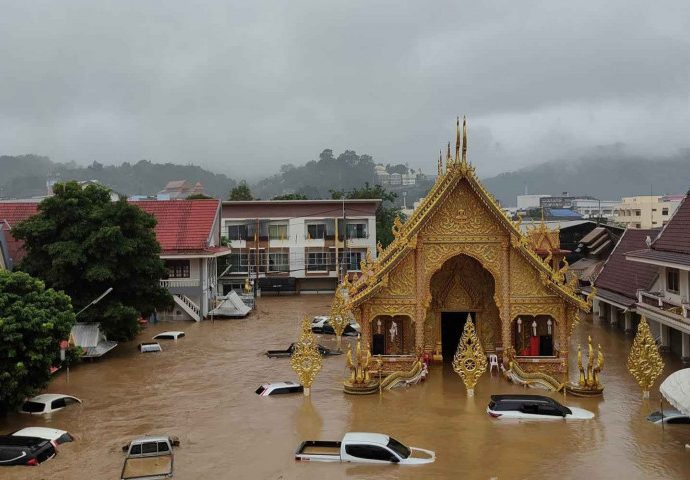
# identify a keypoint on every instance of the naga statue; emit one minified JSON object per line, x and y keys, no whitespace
{"x":588,"y":384}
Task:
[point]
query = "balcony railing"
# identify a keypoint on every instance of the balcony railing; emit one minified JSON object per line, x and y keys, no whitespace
{"x":180,"y":282}
{"x":657,"y":300}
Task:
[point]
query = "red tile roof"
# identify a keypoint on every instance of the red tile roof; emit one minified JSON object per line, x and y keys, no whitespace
{"x":675,"y":237}
{"x":182,"y":224}
{"x":13,"y":213}
{"x":625,"y":277}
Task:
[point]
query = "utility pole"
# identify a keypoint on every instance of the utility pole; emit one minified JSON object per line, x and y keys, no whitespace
{"x":256,"y":260}
{"x":345,"y":264}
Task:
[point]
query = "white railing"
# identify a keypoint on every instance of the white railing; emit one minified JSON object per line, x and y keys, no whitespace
{"x":180,"y":282}
{"x":193,"y":307}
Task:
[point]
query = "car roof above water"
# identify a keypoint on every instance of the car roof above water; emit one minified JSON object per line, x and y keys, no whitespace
{"x":517,"y":398}
{"x":365,"y":437}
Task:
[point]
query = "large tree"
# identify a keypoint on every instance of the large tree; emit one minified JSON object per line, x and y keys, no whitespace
{"x":385,"y":213}
{"x":241,"y":192}
{"x":83,"y":243}
{"x":33,"y":320}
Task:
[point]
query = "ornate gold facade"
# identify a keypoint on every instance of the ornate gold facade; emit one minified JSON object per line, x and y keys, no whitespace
{"x":460,"y":253}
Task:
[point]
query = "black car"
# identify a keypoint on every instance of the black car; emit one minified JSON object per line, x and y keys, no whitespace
{"x":328,"y":329}
{"x":16,"y":450}
{"x":288,"y":351}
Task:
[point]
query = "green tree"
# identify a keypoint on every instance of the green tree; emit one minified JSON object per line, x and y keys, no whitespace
{"x":241,"y":192}
{"x":291,"y":196}
{"x":81,"y":242}
{"x":33,"y":320}
{"x":385,"y":213}
{"x":198,"y":196}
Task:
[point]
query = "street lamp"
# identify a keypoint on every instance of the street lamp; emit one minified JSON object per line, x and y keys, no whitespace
{"x":94,"y":302}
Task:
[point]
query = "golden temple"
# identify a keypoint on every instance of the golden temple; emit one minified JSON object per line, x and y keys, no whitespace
{"x":460,"y":256}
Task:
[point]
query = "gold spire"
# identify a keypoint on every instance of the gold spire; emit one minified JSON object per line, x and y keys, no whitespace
{"x":440,"y":163}
{"x":457,"y":140}
{"x":448,"y":157}
{"x":464,"y":139}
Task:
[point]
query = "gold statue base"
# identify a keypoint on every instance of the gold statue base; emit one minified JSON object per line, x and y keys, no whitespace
{"x":358,"y":389}
{"x":578,"y":391}
{"x":396,"y":379}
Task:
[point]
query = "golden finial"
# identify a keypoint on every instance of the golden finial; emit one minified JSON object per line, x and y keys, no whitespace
{"x":464,"y":139}
{"x":448,"y":158}
{"x":457,"y":140}
{"x":306,"y":359}
{"x":440,"y":163}
{"x":644,"y":362}
{"x":469,"y":360}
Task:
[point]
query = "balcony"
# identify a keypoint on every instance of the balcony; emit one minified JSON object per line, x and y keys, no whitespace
{"x":180,"y":283}
{"x":658,"y":302}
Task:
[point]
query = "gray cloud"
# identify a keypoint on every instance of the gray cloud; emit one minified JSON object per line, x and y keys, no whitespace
{"x":242,"y":87}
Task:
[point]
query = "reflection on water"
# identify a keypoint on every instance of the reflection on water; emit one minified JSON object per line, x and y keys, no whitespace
{"x":201,"y":389}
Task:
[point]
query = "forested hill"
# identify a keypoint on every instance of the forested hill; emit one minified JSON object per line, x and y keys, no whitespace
{"x":26,"y":176}
{"x":317,"y":177}
{"x":603,"y":177}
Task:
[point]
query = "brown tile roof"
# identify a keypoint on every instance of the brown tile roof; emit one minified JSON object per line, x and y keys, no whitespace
{"x":675,"y":236}
{"x":660,"y":256}
{"x":11,"y":213}
{"x":625,"y":277}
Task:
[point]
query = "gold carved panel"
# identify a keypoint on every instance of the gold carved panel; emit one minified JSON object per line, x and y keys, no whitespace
{"x":401,"y":280}
{"x":524,"y":278}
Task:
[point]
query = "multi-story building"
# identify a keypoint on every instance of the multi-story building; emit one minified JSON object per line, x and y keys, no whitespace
{"x":296,"y":245}
{"x":563,"y":201}
{"x":593,"y":208}
{"x":525,"y":202}
{"x":646,"y":211}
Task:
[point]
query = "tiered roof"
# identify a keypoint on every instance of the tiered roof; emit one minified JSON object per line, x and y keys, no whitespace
{"x":11,"y":213}
{"x":404,"y":234}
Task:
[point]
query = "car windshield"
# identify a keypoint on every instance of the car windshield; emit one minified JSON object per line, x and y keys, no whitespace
{"x":32,"y":407}
{"x":398,"y":448}
{"x":260,"y":390}
{"x":655,"y":416}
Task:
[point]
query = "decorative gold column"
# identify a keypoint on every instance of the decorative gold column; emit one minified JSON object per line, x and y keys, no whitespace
{"x":420,"y":309}
{"x":504,"y":308}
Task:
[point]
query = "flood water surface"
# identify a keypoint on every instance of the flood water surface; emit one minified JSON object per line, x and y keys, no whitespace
{"x":201,"y":389}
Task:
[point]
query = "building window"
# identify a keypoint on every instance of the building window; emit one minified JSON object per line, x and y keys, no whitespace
{"x":278,"y":262}
{"x":638,"y":213}
{"x":316,"y":231}
{"x":239,"y":262}
{"x":277,"y":232}
{"x":357,"y":230}
{"x":638,"y":225}
{"x":177,"y":268}
{"x":318,"y":261}
{"x":350,"y":260}
{"x":664,"y":211}
{"x":673,"y":280}
{"x":237,"y":232}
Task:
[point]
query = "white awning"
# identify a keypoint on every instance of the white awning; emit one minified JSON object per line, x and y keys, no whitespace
{"x":676,"y":389}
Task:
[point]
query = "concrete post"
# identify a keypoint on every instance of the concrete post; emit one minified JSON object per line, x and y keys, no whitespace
{"x":613,"y":319}
{"x":685,"y":354}
{"x":595,"y":307}
{"x":628,"y":322}
{"x":665,"y":337}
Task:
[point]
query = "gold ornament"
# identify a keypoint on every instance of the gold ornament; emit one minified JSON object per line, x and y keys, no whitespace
{"x":469,"y":361}
{"x":644,"y":362}
{"x":360,"y":364}
{"x":339,"y":314}
{"x":306,"y":359}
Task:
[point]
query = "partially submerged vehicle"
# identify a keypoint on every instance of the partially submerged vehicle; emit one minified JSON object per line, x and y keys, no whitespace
{"x":47,"y":403}
{"x":149,"y":458}
{"x":150,"y":347}
{"x":360,"y":447}
{"x":288,"y":351}
{"x":322,"y":324}
{"x":31,"y":446}
{"x":279,"y":388}
{"x":533,"y":407}
{"x":668,"y":417}
{"x":171,"y":335}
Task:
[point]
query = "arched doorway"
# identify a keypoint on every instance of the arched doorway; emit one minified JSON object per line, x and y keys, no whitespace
{"x":462,"y":288}
{"x":392,"y":335}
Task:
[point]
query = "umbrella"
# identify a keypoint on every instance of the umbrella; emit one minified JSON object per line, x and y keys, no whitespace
{"x":676,"y":389}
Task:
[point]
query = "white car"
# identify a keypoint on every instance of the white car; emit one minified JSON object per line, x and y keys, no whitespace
{"x":533,"y":407}
{"x":47,"y":403}
{"x":58,"y":437}
{"x":150,"y":347}
{"x":172,"y":335}
{"x":277,"y":388}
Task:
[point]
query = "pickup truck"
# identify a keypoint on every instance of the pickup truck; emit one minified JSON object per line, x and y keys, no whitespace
{"x":149,"y":458}
{"x":360,"y":447}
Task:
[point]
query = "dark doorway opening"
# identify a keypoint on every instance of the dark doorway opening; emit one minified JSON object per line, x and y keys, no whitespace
{"x":452,"y":324}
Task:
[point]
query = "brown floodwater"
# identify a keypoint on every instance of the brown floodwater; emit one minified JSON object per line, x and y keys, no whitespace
{"x":202,"y":390}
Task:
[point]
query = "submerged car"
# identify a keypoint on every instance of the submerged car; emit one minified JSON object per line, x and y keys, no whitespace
{"x":31,"y":446}
{"x":533,"y":407}
{"x":670,"y":417}
{"x":322,"y":324}
{"x":277,"y":388}
{"x":288,"y":351}
{"x":47,"y":403}
{"x":150,"y":347}
{"x":172,"y":335}
{"x":53,"y":434}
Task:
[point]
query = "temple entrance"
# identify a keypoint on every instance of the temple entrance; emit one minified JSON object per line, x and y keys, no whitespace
{"x":452,"y":324}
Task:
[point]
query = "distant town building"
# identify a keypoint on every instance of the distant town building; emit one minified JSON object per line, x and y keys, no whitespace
{"x":646,"y":211}
{"x":179,"y":189}
{"x":525,"y":202}
{"x":302,"y":245}
{"x":563,"y":201}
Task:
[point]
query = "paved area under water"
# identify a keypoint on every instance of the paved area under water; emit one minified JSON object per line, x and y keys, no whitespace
{"x":202,"y":390}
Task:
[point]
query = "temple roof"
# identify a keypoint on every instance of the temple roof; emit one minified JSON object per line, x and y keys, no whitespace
{"x":405,"y":234}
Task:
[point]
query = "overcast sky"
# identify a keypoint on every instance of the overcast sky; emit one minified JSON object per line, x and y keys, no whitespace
{"x":242,"y":87}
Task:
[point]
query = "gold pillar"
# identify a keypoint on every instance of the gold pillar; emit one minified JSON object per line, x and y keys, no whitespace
{"x":420,"y":309}
{"x":504,"y":309}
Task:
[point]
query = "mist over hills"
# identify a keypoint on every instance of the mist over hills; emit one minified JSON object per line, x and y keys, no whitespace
{"x":604,"y":175}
